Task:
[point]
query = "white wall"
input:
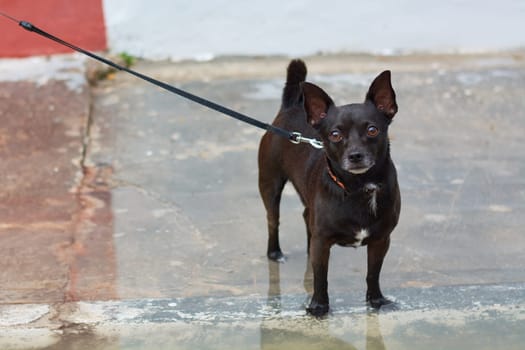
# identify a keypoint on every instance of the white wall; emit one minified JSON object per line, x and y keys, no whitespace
{"x":203,"y":29}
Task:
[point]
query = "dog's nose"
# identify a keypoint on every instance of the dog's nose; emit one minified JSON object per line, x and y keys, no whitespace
{"x":356,"y":157}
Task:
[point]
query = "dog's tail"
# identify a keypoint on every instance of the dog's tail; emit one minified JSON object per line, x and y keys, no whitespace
{"x":296,"y":74}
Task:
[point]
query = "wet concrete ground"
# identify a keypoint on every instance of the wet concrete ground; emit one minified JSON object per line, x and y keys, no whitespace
{"x":127,"y":211}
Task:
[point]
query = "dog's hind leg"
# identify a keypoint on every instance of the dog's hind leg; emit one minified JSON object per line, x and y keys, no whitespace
{"x":271,"y":184}
{"x":271,"y":190}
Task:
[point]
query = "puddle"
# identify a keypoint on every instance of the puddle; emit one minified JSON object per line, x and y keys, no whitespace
{"x":450,"y":317}
{"x":470,"y":317}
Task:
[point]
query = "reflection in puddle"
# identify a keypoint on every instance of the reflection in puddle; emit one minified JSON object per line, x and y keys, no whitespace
{"x":83,"y":338}
{"x":450,"y":317}
{"x":283,"y":332}
{"x":474,"y":317}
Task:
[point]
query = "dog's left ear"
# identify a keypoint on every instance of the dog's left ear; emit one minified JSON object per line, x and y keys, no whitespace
{"x":382,"y":95}
{"x":316,"y":103}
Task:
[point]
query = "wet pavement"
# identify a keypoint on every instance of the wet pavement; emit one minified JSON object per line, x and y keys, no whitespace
{"x":126,"y":211}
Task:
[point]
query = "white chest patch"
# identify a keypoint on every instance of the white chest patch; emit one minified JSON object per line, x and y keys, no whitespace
{"x":359,"y":236}
{"x":372,"y":202}
{"x":372,"y":190}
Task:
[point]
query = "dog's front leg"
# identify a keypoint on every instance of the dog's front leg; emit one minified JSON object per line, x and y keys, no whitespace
{"x":319,"y":256}
{"x":376,"y":254}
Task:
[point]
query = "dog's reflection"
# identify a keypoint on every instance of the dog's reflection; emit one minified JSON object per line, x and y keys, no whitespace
{"x":281,"y":332}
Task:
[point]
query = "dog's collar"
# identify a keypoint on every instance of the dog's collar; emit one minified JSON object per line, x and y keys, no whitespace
{"x":333,"y":177}
{"x":367,"y":188}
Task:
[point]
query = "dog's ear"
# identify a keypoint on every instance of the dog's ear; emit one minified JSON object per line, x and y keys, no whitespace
{"x":382,"y":95}
{"x":316,"y":103}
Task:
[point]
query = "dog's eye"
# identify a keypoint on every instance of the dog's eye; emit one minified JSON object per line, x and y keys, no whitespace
{"x":335,"y":136}
{"x":372,"y":131}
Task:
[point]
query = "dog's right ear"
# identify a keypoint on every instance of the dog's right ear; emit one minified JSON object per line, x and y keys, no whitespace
{"x":316,"y":103}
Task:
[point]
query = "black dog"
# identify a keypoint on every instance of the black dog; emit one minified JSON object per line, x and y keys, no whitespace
{"x":349,"y":189}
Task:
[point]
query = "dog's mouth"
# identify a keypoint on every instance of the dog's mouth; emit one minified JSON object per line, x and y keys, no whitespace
{"x":358,"y":168}
{"x":358,"y":171}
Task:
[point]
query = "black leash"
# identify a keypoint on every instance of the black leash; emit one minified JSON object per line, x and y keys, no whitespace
{"x":294,"y":137}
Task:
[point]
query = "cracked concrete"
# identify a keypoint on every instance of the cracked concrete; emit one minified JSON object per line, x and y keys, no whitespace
{"x":49,"y":203}
{"x":125,"y":210}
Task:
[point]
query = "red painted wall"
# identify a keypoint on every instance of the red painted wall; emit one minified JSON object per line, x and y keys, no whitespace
{"x":81,"y":22}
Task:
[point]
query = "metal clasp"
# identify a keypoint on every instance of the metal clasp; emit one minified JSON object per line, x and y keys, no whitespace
{"x":298,"y":138}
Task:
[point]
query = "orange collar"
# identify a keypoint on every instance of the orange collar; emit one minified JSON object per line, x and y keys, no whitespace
{"x":333,"y":177}
{"x":367,"y":188}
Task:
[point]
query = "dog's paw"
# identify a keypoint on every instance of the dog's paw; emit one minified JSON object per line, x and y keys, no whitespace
{"x":277,"y":256}
{"x":316,"y":309}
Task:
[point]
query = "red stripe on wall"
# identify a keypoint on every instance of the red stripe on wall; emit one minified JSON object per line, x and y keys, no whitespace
{"x":80,"y":22}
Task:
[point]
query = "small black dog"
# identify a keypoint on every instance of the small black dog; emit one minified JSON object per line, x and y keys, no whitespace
{"x":349,"y":189}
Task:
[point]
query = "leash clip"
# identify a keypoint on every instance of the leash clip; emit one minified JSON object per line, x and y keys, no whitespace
{"x":297,"y":138}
